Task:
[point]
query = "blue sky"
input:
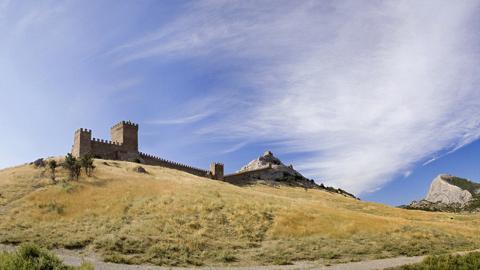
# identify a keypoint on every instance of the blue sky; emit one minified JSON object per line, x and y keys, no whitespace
{"x":376,"y":97}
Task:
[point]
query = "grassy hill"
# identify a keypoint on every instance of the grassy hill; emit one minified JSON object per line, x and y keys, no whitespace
{"x":168,"y":217}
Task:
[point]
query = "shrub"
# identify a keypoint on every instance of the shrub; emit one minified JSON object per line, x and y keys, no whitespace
{"x":31,"y":257}
{"x":52,"y":165}
{"x":87,"y":163}
{"x":447,"y":262}
{"x":73,"y":166}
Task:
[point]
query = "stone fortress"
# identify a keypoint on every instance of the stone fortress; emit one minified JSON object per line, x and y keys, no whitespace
{"x":124,"y":146}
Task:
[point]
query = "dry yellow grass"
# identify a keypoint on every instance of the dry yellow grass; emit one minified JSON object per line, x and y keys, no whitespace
{"x":168,"y":217}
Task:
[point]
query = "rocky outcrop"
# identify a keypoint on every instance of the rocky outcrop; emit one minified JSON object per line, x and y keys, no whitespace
{"x":270,"y":170}
{"x":434,"y":206}
{"x":442,"y":191}
{"x":268,"y":160}
{"x":449,"y":193}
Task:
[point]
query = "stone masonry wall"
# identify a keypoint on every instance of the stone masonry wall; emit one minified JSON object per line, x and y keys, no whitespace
{"x":106,"y":149}
{"x":246,"y":175}
{"x":153,"y":160}
{"x":125,"y":147}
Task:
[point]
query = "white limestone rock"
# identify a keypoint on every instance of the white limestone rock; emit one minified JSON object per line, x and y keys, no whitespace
{"x":442,"y":192}
{"x":268,"y":160}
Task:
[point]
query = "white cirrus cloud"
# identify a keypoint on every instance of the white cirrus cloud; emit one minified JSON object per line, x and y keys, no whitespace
{"x":364,"y":89}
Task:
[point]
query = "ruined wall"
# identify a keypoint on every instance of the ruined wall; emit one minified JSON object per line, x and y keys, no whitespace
{"x":153,"y":160}
{"x":246,"y":175}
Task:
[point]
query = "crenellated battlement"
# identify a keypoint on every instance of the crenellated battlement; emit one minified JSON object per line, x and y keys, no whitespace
{"x":126,"y":133}
{"x":125,"y":123}
{"x":154,"y":160}
{"x":96,"y":140}
{"x":83,"y":130}
{"x":124,"y":146}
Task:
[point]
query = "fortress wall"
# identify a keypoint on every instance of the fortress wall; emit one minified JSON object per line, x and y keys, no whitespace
{"x":247,"y":175}
{"x":125,"y":147}
{"x":105,"y":149}
{"x":157,"y":161}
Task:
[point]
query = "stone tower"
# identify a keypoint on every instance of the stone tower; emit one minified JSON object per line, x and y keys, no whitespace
{"x":217,"y":170}
{"x":82,"y":143}
{"x":126,"y":133}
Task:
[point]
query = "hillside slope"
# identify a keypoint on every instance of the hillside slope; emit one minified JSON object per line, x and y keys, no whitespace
{"x":167,"y":217}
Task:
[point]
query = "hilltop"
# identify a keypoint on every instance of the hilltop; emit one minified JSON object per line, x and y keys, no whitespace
{"x":450,"y":193}
{"x":270,"y":170}
{"x":168,"y":217}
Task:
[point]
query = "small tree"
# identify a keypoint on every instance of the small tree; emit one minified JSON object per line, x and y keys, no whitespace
{"x":52,"y":165}
{"x":87,"y":163}
{"x":73,"y":166}
{"x":77,"y":170}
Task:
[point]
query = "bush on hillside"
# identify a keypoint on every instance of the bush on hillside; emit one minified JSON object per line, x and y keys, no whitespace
{"x":31,"y":257}
{"x":52,"y":165}
{"x":87,"y":163}
{"x":73,"y":166}
{"x":447,"y":262}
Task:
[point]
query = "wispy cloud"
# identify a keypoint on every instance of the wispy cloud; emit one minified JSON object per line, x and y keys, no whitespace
{"x":125,"y":84}
{"x":191,"y":111}
{"x":366,"y":89}
{"x":182,"y":120}
{"x":235,"y":147}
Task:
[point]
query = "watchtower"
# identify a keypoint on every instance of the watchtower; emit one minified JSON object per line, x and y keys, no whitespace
{"x":82,"y":143}
{"x":216,"y":170}
{"x":126,"y":133}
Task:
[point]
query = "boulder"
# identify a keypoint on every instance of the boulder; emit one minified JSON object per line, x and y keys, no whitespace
{"x":39,"y":163}
{"x":140,"y":169}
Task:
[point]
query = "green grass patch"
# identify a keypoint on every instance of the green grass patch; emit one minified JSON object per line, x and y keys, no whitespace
{"x":31,"y":257}
{"x":470,"y":261}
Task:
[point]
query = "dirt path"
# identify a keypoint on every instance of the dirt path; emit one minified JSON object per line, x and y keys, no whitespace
{"x":365,"y":265}
{"x":73,"y":258}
